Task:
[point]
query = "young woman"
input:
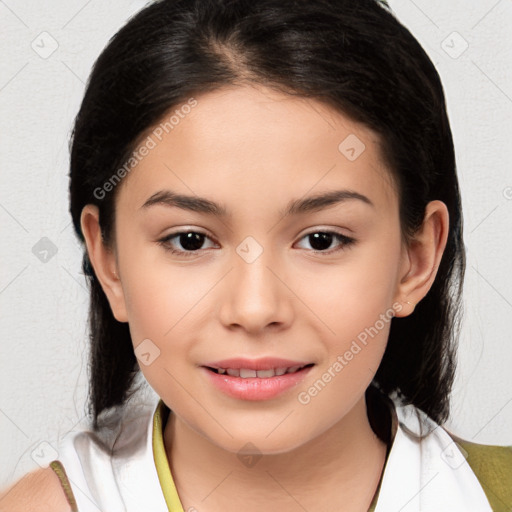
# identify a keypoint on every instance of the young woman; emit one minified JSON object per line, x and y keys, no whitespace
{"x":268,"y":198}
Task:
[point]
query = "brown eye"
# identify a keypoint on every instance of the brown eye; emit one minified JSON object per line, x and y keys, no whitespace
{"x":321,"y":241}
{"x":190,"y":241}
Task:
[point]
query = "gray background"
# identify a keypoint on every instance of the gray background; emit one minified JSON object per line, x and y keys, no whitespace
{"x":48,"y":48}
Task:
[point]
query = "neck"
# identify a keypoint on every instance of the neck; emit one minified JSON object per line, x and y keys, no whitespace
{"x":338,"y":470}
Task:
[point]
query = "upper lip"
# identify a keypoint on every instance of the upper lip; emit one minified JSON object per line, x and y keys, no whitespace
{"x":265,"y":363}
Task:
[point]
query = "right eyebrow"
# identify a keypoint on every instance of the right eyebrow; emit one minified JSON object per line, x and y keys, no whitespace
{"x":185,"y":202}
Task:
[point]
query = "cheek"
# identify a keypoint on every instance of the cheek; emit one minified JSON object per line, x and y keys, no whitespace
{"x":354,"y":302}
{"x":350,"y":296}
{"x":156,"y":295}
{"x":355,"y":318}
{"x":161,"y":303}
{"x":157,"y":291}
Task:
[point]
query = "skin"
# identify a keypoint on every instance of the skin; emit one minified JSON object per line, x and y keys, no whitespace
{"x":289,"y":302}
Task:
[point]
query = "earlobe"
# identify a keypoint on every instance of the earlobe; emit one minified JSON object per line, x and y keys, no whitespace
{"x":103,"y":261}
{"x":422,"y":257}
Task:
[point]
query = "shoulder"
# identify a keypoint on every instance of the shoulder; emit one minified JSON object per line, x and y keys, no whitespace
{"x":38,"y":491}
{"x":485,"y":457}
{"x":492,"y":465}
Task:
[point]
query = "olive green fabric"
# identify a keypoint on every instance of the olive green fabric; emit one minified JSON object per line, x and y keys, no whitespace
{"x":492,"y":466}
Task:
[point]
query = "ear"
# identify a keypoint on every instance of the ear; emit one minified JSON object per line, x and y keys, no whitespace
{"x":422,"y":256}
{"x":103,"y":260}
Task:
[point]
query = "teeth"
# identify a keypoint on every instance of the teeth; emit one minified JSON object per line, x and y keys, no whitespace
{"x":265,"y":374}
{"x":246,"y":373}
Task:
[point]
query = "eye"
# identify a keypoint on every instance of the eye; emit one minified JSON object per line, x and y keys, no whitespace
{"x":191,"y":241}
{"x":322,"y":240}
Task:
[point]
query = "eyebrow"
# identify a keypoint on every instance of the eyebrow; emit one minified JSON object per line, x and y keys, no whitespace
{"x":294,"y":207}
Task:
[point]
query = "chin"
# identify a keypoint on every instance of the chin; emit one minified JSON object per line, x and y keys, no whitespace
{"x":259,"y":446}
{"x":259,"y":442}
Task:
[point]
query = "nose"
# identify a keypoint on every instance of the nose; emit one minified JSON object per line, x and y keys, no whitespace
{"x":255,"y":295}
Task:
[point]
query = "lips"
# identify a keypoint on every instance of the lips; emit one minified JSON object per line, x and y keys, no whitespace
{"x":264,"y":363}
{"x":256,"y":379}
{"x":246,"y":373}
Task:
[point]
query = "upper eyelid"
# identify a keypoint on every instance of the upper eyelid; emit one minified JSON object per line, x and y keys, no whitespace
{"x":174,"y":234}
{"x":183,"y":231}
{"x":201,"y":232}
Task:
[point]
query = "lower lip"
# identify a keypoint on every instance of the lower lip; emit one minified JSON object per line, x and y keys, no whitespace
{"x":255,"y":388}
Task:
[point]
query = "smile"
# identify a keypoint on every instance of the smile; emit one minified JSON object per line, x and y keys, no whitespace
{"x":250,"y":384}
{"x":246,"y":373}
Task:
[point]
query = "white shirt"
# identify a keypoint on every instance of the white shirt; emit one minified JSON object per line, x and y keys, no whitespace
{"x":425,"y":471}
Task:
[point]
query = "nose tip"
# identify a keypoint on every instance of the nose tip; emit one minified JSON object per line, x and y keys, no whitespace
{"x":254,"y":292}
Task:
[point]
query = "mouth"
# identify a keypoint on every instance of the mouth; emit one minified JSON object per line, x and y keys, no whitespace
{"x":261,"y":378}
{"x":247,"y":373}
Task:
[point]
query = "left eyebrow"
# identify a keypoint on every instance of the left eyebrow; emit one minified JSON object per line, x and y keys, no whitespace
{"x":322,"y":201}
{"x":294,"y":207}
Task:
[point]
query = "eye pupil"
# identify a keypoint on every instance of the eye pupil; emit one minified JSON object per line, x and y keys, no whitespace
{"x":320,"y":241}
{"x":191,"y":241}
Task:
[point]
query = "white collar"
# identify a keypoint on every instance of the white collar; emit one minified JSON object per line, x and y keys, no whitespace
{"x":425,"y":471}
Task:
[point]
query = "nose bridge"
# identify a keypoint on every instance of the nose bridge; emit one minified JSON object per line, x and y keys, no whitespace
{"x":253,"y":293}
{"x":251,"y":266}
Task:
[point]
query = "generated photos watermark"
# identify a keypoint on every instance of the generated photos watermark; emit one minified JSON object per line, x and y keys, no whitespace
{"x":342,"y":360}
{"x":143,"y":150}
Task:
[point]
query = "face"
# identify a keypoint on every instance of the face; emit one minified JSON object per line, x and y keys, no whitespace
{"x":271,"y":271}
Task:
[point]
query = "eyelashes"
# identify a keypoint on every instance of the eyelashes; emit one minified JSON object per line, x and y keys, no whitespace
{"x":326,"y":237}
{"x":166,"y":242}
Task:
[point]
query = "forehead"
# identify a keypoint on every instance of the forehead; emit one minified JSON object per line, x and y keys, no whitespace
{"x":258,"y":143}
